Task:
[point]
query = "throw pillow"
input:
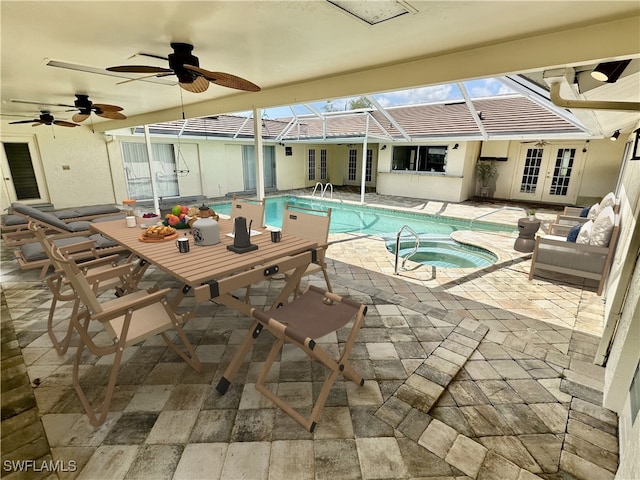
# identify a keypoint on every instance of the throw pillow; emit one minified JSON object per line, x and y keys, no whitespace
{"x":585,"y":233}
{"x":573,"y":233}
{"x":602,"y":228}
{"x":609,"y":200}
{"x":594,"y":211}
{"x":585,"y":212}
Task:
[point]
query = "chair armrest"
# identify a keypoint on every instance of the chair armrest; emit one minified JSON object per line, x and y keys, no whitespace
{"x":97,"y":262}
{"x":134,"y":301}
{"x":571,"y":220}
{"x":120,"y":270}
{"x":570,"y":246}
{"x":559,"y":229}
{"x":573,"y":211}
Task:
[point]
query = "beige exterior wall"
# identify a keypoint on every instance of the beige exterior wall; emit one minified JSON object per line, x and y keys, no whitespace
{"x":622,"y":307}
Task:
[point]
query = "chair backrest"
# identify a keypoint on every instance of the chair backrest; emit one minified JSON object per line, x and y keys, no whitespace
{"x":306,"y":223}
{"x":252,"y":210}
{"x":45,"y":218}
{"x":77,"y":280}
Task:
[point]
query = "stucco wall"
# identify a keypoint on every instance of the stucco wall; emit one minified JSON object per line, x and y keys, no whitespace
{"x":623,"y":306}
{"x":85,"y":155}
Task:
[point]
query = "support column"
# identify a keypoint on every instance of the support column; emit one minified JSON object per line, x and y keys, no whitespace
{"x":152,"y":171}
{"x":257,"y":130}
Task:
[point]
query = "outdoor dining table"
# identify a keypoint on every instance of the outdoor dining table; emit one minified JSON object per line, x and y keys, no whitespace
{"x":214,"y":270}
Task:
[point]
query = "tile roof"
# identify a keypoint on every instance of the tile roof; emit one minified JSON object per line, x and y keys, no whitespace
{"x":508,"y":115}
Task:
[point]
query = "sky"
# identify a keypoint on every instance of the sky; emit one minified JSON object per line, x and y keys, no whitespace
{"x":475,"y":88}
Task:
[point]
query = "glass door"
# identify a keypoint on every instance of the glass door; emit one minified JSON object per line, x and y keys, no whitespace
{"x":22,"y":174}
{"x":547,"y":174}
{"x":249,"y":167}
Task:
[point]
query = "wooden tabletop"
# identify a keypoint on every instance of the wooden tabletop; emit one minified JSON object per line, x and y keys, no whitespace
{"x":202,"y":263}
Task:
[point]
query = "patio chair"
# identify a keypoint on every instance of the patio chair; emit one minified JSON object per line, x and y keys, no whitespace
{"x":127,"y":320}
{"x":102,"y":274}
{"x":312,"y":225}
{"x":587,"y":259}
{"x":252,"y":210}
{"x":54,"y":224}
{"x":314,"y":314}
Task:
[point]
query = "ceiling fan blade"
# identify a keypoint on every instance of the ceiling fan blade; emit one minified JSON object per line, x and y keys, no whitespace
{"x":107,"y":108}
{"x":28,"y":102}
{"x":139,"y":69}
{"x":225,"y":79}
{"x":37,"y":124}
{"x":80,"y":117}
{"x":62,"y":123}
{"x":24,"y":121}
{"x":110,"y":115}
{"x":199,"y":85}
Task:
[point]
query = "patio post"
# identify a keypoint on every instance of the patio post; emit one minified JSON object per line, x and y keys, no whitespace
{"x":152,"y":170}
{"x":257,"y":129}
{"x":364,"y":160}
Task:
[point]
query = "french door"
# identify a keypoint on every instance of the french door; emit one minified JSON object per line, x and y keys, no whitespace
{"x":547,"y":174}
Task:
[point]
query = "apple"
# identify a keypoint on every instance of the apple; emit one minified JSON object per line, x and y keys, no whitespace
{"x":173,"y":220}
{"x":177,"y":210}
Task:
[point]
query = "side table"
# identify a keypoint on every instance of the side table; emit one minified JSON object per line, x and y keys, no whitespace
{"x":526,"y":239}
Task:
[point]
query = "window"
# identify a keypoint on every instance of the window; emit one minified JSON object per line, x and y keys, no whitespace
{"x":369,"y":165}
{"x":420,"y":158}
{"x":138,"y":173}
{"x":312,"y":164}
{"x":21,"y":168}
{"x":323,"y":164}
{"x":353,"y":163}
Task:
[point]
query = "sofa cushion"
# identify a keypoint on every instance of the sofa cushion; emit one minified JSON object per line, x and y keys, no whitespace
{"x":609,"y":200}
{"x":11,"y":220}
{"x":32,"y":252}
{"x":593,"y":211}
{"x":97,"y":210}
{"x":585,"y":212}
{"x":66,"y":214}
{"x":101,"y":241}
{"x":573,"y":233}
{"x":585,"y":233}
{"x":602,"y":228}
{"x":81,"y":226}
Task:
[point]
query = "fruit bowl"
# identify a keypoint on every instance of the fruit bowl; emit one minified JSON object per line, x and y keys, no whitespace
{"x":177,"y":218}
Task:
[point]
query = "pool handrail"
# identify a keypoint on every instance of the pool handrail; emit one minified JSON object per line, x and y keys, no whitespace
{"x":323,"y":189}
{"x":415,"y":248}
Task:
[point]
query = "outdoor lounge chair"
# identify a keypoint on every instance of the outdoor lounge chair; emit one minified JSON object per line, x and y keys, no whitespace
{"x":313,"y":225}
{"x":590,"y":260}
{"x":312,"y":315}
{"x":102,"y":274}
{"x":252,"y":210}
{"x":54,"y":224}
{"x":127,"y":320}
{"x":573,"y":215}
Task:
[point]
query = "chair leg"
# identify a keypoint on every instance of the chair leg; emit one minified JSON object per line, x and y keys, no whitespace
{"x":97,"y":418}
{"x":190,"y":356}
{"x":55,"y":285}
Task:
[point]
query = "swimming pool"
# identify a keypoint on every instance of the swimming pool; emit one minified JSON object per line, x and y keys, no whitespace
{"x":437,"y":248}
{"x":351,"y":218}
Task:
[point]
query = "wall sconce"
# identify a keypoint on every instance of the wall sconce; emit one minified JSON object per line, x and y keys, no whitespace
{"x":609,"y":71}
{"x":614,"y":136}
{"x":635,"y":154}
{"x":455,"y":147}
{"x":384,"y":147}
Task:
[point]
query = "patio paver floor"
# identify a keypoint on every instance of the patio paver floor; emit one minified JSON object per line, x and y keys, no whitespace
{"x":466,"y":373}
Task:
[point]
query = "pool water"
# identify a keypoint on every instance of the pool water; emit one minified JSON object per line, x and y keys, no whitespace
{"x":385,"y":223}
{"x":444,"y":252}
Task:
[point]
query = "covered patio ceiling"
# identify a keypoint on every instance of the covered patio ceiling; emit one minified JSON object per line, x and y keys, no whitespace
{"x":296,"y":51}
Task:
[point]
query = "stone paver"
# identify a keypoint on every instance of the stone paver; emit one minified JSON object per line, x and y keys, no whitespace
{"x":473,"y":371}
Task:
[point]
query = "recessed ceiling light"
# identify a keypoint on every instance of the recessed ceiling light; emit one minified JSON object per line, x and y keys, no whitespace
{"x":374,"y":12}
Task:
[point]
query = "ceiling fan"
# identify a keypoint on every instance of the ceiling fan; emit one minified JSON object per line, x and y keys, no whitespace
{"x":187,"y":68}
{"x":85,"y":107}
{"x":46,"y":119}
{"x":537,"y":143}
